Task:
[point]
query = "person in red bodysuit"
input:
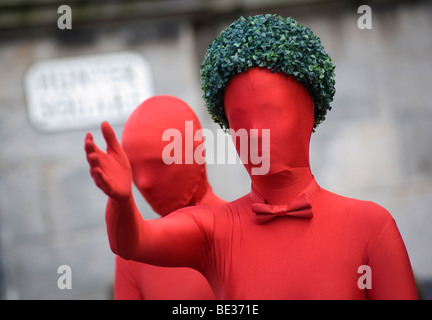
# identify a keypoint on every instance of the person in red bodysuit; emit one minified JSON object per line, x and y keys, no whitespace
{"x":287,"y":257}
{"x":288,"y":238}
{"x":187,"y":185}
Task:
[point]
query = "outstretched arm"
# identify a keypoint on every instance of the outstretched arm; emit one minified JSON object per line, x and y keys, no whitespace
{"x":175,"y":240}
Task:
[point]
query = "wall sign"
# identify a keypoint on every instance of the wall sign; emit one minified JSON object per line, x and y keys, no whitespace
{"x":81,"y":92}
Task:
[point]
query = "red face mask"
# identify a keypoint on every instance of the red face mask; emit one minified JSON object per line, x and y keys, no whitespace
{"x":260,"y":99}
{"x":166,"y":187}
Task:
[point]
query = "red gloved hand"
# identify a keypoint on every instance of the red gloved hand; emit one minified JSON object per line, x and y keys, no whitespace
{"x":111,"y":171}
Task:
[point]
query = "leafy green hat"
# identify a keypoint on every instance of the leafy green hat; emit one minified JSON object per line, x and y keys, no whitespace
{"x":281,"y":45}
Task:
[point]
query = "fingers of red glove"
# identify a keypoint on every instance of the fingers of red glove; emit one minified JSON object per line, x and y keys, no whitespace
{"x":110,"y":171}
{"x":88,"y":143}
{"x":110,"y":137}
{"x":89,"y":146}
{"x":93,"y":159}
{"x":93,"y":154}
{"x":101,"y":180}
{"x":114,"y":148}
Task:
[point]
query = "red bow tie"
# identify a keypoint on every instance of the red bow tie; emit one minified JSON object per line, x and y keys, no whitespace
{"x":299,"y":207}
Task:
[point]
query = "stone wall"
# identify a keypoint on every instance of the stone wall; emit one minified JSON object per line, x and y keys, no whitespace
{"x":375,"y":144}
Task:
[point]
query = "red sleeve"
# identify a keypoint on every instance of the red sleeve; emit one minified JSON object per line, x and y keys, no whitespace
{"x":125,"y":286}
{"x":174,"y":240}
{"x":392,"y":276}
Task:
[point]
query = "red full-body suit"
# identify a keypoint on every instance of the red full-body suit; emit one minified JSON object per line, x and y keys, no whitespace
{"x":315,"y":255}
{"x":166,"y":188}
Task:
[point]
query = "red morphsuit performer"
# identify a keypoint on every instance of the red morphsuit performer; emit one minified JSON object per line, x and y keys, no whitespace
{"x":182,"y":185}
{"x":316,"y":255}
{"x":288,"y":238}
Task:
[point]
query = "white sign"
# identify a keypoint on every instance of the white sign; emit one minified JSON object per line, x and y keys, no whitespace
{"x":81,"y":92}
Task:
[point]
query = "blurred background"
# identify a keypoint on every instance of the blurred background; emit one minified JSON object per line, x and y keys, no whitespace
{"x":376,"y":143}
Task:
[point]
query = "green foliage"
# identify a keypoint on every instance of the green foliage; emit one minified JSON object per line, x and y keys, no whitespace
{"x":280,"y":44}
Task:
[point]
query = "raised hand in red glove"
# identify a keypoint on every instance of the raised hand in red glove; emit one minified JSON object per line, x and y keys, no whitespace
{"x":111,"y":171}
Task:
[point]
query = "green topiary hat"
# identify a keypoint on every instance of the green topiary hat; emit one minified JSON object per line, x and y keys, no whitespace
{"x":280,"y":44}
